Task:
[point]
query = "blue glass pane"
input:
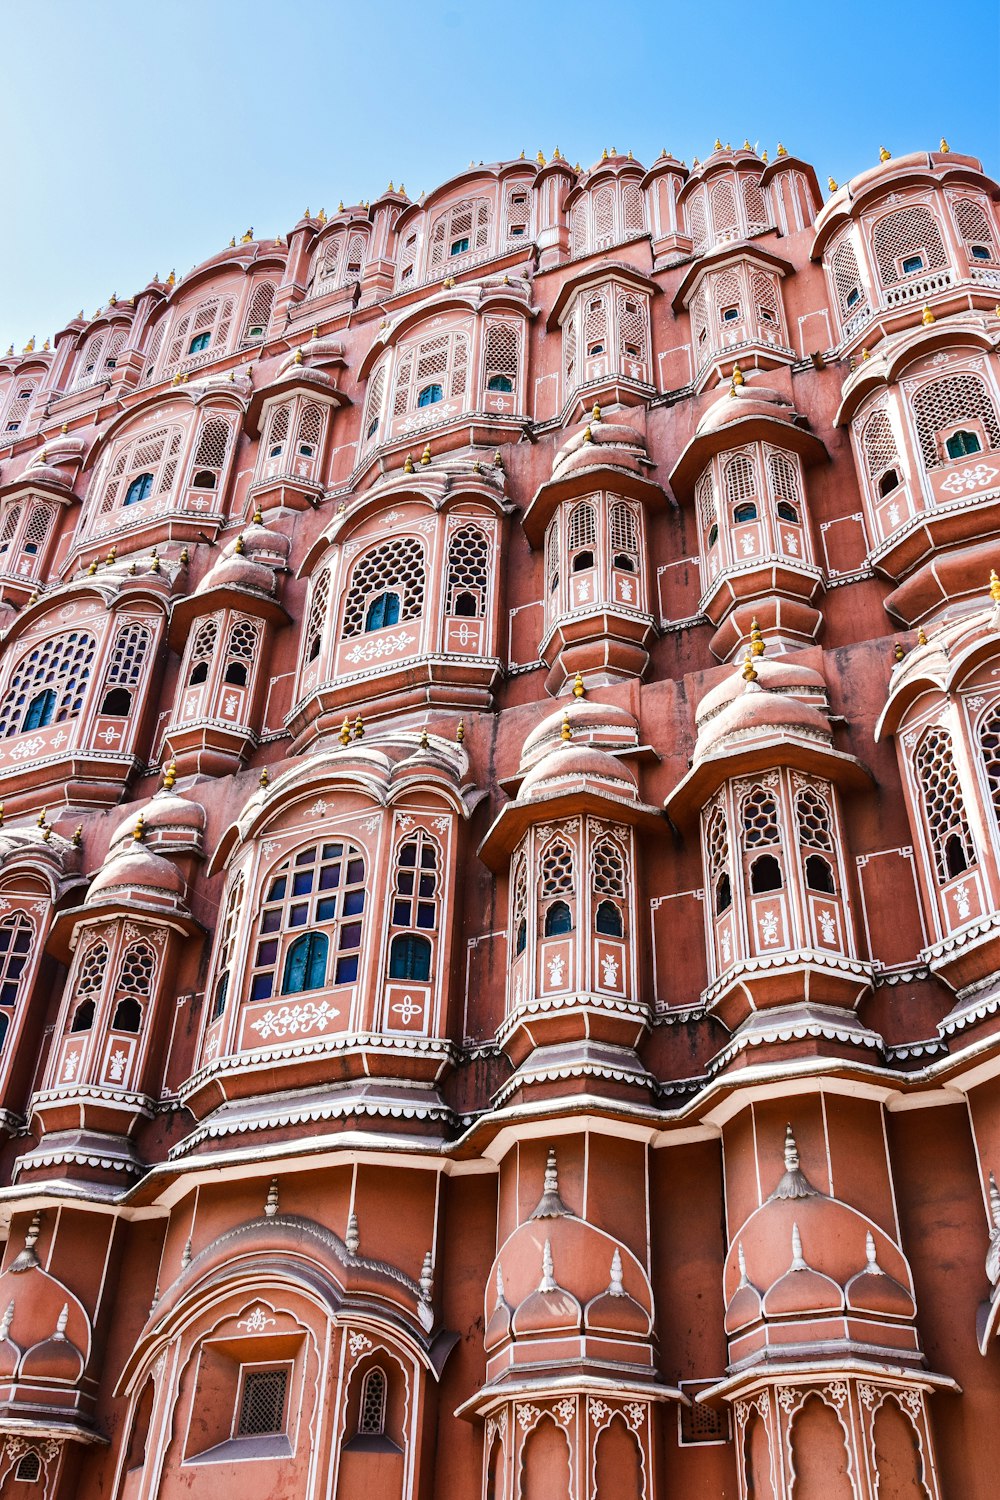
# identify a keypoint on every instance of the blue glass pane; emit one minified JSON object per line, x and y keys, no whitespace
{"x":305,"y":964}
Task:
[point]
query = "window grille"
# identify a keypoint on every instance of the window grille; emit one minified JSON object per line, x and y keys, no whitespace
{"x":633,"y":214}
{"x":90,"y":975}
{"x":700,"y":321}
{"x":128,"y":655}
{"x":519,"y":906}
{"x":136,"y":976}
{"x":317,"y":615}
{"x":442,"y":360}
{"x":11,"y":516}
{"x":328,"y":267}
{"x":227,"y":947}
{"x":705,"y":500}
{"x":578,"y":228}
{"x":518,"y":209}
{"x":244,"y":639}
{"x":502,"y":352}
{"x":278,"y":425}
{"x":469,"y":220}
{"x":408,"y":256}
{"x":17,"y":408}
{"x":202,"y":649}
{"x":582,"y":527}
{"x":741,"y":481}
{"x":697,"y":221}
{"x":944,"y":805}
{"x":213,"y":441}
{"x":153,"y":453}
{"x":852,"y":298}
{"x":759,"y":815}
{"x":878,"y":444}
{"x":624,"y":529}
{"x":557,"y":870}
{"x":725,"y":219}
{"x":754,"y":206}
{"x":812,"y":813}
{"x":595,"y":326}
{"x":727,"y":290}
{"x":320,"y":891}
{"x":61,"y":665}
{"x":16,"y":936}
{"x":373,"y":404}
{"x":946,"y":402}
{"x":29,"y":1468}
{"x":974,"y":226}
{"x":258,"y":313}
{"x":765,"y":295}
{"x":98,"y":359}
{"x":989,"y":744}
{"x":212,"y":317}
{"x":262,"y":1407}
{"x":907,"y":232}
{"x":631,"y":327}
{"x":415,"y":897}
{"x":397,"y":564}
{"x":468,"y":568}
{"x":552,"y":554}
{"x":717,"y":844}
{"x":310,"y":428}
{"x":153,"y":351}
{"x":784,"y":476}
{"x":604,"y":217}
{"x":569,"y":352}
{"x":357,"y":244}
{"x":371,"y":1419}
{"x":37,"y":530}
{"x":609,"y":874}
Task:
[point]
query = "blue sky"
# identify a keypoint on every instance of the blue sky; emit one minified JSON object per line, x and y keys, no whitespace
{"x":139,"y":136}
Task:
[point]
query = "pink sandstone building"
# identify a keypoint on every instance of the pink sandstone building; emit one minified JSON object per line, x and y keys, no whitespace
{"x":500,"y":850}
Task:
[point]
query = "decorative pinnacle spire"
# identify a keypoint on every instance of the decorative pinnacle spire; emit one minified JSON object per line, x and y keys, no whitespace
{"x":548,"y":1281}
{"x":8,"y":1319}
{"x":874,"y":1269}
{"x":579,"y":691}
{"x":427,"y":1278}
{"x":345,"y":732}
{"x":170,"y":776}
{"x":927,"y":317}
{"x":994,"y":1201}
{"x":749,"y":671}
{"x":588,"y":436}
{"x":794,"y":1183}
{"x":832,"y":184}
{"x":497,"y":460}
{"x":550,"y":1205}
{"x":112,"y":556}
{"x":265,"y":779}
{"x":352,"y":1238}
{"x":791,"y":1150}
{"x":460,"y":731}
{"x":271,"y":1202}
{"x":500,"y":1290}
{"x":425,"y":742}
{"x":77,"y":838}
{"x":61,"y":1322}
{"x":27,"y":1259}
{"x":595,"y":415}
{"x":139,"y":831}
{"x":359,"y":728}
{"x":565,"y":732}
{"x":737,"y":375}
{"x":408,"y":465}
{"x":742,"y":1262}
{"x":781,"y":150}
{"x":425,"y":457}
{"x":921,"y":637}
{"x":944,"y":145}
{"x":186,"y":1255}
{"x":883,"y":154}
{"x":994,"y":586}
{"x":756,"y":639}
{"x":798,"y":1264}
{"x":616,"y":1288}
{"x":898,"y":652}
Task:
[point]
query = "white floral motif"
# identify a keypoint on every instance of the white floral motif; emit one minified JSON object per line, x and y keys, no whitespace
{"x":893,"y":513}
{"x":599,"y":1411}
{"x":625,"y":589}
{"x":837,"y":1393}
{"x":213,"y":1048}
{"x":769,"y":927}
{"x":635,"y":1414}
{"x":786,"y":1398}
{"x":110,"y":735}
{"x":256,"y":1322}
{"x":583,"y":589}
{"x":609,"y":971}
{"x":962,"y":902}
{"x":827,"y":926}
{"x":406,"y":1009}
{"x":527,"y":1415}
{"x":565,"y":1410}
{"x":358,"y":1343}
{"x":59,"y":739}
{"x":557,"y":966}
{"x":387,"y":646}
{"x":792,"y":543}
{"x":748,"y":543}
{"x":518,"y":991}
{"x":290,"y":1020}
{"x":318,"y":809}
{"x":116,"y":1069}
{"x":70,"y":1066}
{"x":968,"y":479}
{"x":25,"y":748}
{"x":727,"y":946}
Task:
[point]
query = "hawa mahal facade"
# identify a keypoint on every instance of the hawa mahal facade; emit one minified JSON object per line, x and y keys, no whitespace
{"x":500,"y":850}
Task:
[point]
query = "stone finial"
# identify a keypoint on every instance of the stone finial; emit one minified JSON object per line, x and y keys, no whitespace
{"x":756,"y":639}
{"x":497,"y":460}
{"x":944,"y":146}
{"x":460,"y":731}
{"x":749,"y":672}
{"x":866,"y":355}
{"x":359,"y":728}
{"x":61,"y":1322}
{"x":548,"y":1281}
{"x":112,"y":556}
{"x":550,"y":1205}
{"x":741,"y":1261}
{"x":264,"y":780}
{"x":993,"y":1251}
{"x":8,"y":1319}
{"x":565,"y":732}
{"x":616,"y":1287}
{"x":994,"y":1202}
{"x":873,"y":1267}
{"x":927,"y":317}
{"x":352,"y":1239}
{"x":28,"y":1259}
{"x":408,"y":464}
{"x":425,"y":457}
{"x":798,"y":1264}
{"x":794,"y":1183}
{"x":499,"y":1284}
{"x":832,"y":184}
{"x":297,"y":357}
{"x":186,"y":1255}
{"x":579,"y":691}
{"x":427,"y":1278}
{"x":994,"y":586}
{"x":170,"y":776}
{"x":271,"y":1202}
{"x":898,"y":652}
{"x":345,"y":732}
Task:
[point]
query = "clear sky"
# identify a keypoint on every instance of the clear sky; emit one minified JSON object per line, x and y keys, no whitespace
{"x":137,"y":135}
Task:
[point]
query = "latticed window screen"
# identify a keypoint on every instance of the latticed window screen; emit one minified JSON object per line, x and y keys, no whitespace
{"x":442,"y":361}
{"x":408,"y":255}
{"x":631,"y":327}
{"x":99,"y":357}
{"x":595,"y":327}
{"x":213,"y":441}
{"x":700,"y":318}
{"x":910,"y":232}
{"x":851,"y":296}
{"x":203,"y":645}
{"x":582,"y":527}
{"x":262,"y":1405}
{"x":989,"y":744}
{"x":415,"y":887}
{"x":975,"y":227}
{"x":570,"y":351}
{"x":371,"y":1418}
{"x":552,"y":554}
{"x":725,"y":219}
{"x":152,"y":351}
{"x":812,"y":813}
{"x":16,"y":934}
{"x":741,"y":480}
{"x":37,"y":530}
{"x":317,"y":615}
{"x":717,"y":845}
{"x":727,"y":293}
{"x":624,"y":529}
{"x":609,"y":869}
{"x":212,"y":317}
{"x":519,"y":900}
{"x":8,"y":525}
{"x":945,"y":403}
{"x":398,"y":565}
{"x":373,"y":402}
{"x":759,"y":815}
{"x":138,"y":965}
{"x":705,"y":500}
{"x":766,"y":299}
{"x":503,"y":344}
{"x":604,"y":217}
{"x":311,"y":422}
{"x":784,"y":477}
{"x":578,"y":228}
{"x":153,"y":453}
{"x":244,"y":638}
{"x":469,"y":220}
{"x":557,"y":869}
{"x":60,"y":665}
{"x":878,"y":444}
{"x":328,"y":265}
{"x":278,"y":425}
{"x":258,"y":313}
{"x":468,"y":568}
{"x":355,"y":257}
{"x":697,"y":221}
{"x":754,"y":206}
{"x":944,"y":805}
{"x":128,"y":655}
{"x":227,"y":947}
{"x":17,"y":407}
{"x":518,"y":207}
{"x":90,"y":975}
{"x":633,"y":214}
{"x":29,"y":1467}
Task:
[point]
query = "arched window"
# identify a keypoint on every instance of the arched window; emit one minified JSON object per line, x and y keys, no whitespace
{"x":745,"y":512}
{"x":397,"y":566}
{"x":382,"y":611}
{"x":29,"y":1467}
{"x":117,"y":704}
{"x":90,"y":977}
{"x":83,"y":1016}
{"x":127,"y":1016}
{"x":609,"y":880}
{"x":278,"y":424}
{"x":371,"y":1412}
{"x":519,"y":907}
{"x":468,"y":570}
{"x":258,"y":313}
{"x":812,"y":813}
{"x":16,"y":936}
{"x":851,"y":297}
{"x":320,"y":890}
{"x":582,"y":561}
{"x":210,"y":453}
{"x":962,"y":443}
{"x":558,"y":919}
{"x":741,"y":487}
{"x":717,"y":848}
{"x":40,"y":710}
{"x":582,"y":528}
{"x":725,"y":220}
{"x":944,"y":805}
{"x":501,"y":356}
{"x":204,"y":327}
{"x":227,"y":947}
{"x":437,"y":364}
{"x":878,"y":445}
{"x":944,"y":405}
{"x":462,"y":229}
{"x":609,"y":919}
{"x":140,"y":488}
{"x":135,"y":985}
{"x":976,"y":229}
{"x":374,"y":401}
{"x":145,"y":454}
{"x":410,"y":957}
{"x":888,"y":483}
{"x":765,"y":875}
{"x":632,"y":337}
{"x":415,"y":898}
{"x":430,"y":395}
{"x":202,"y":650}
{"x":557,"y":880}
{"x":60,"y":666}
{"x":241,"y":650}
{"x":819,"y":875}
{"x":305,"y":964}
{"x":128,"y":655}
{"x":624,"y":530}
{"x":907,"y":243}
{"x":317,"y":615}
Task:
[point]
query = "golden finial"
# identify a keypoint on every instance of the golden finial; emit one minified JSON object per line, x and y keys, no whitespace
{"x":345,"y":732}
{"x":425,"y":457}
{"x":240,"y":547}
{"x":927,"y":317}
{"x":449,"y":281}
{"x":297,"y":357}
{"x":866,"y":354}
{"x":521,"y":157}
{"x":921,"y":637}
{"x":10,"y":351}
{"x":718,"y":144}
{"x":746,"y":144}
{"x":172,"y":278}
{"x":588,"y":436}
{"x":832,"y":183}
{"x":177,"y":379}
{"x":359,"y":728}
{"x":30,"y":345}
{"x":883,"y":154}
{"x":45,"y":347}
{"x":663,"y":153}
{"x":92,"y":569}
{"x":459,"y":736}
{"x":994,"y":586}
{"x":756,"y":639}
{"x":77,"y":838}
{"x":595,"y":415}
{"x":425,"y":742}
{"x":737,"y":375}
{"x":232,"y":242}
{"x":402,"y":190}
{"x":408,"y":464}
{"x":264,"y":780}
{"x":497,"y":460}
{"x":557,"y":155}
{"x":763,"y":157}
{"x":280,"y":242}
{"x":749,"y":671}
{"x":33,"y":597}
{"x":340,"y":206}
{"x":41,"y":817}
{"x":139,"y":831}
{"x":898,"y":652}
{"x":258,"y":517}
{"x":315,"y":332}
{"x":630,"y":156}
{"x":112,"y":556}
{"x":566,"y":731}
{"x":322,"y":216}
{"x":1,"y":814}
{"x":579,"y":691}
{"x":154,"y":564}
{"x":170,"y":776}
{"x":307,"y":214}
{"x":132,"y":569}
{"x":64,"y":428}
{"x":46,"y":833}
{"x":944,"y":145}
{"x":604,"y":154}
{"x":185,"y":557}
{"x":781,"y":150}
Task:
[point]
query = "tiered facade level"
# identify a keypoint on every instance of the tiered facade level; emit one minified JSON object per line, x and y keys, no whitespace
{"x":500,"y":851}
